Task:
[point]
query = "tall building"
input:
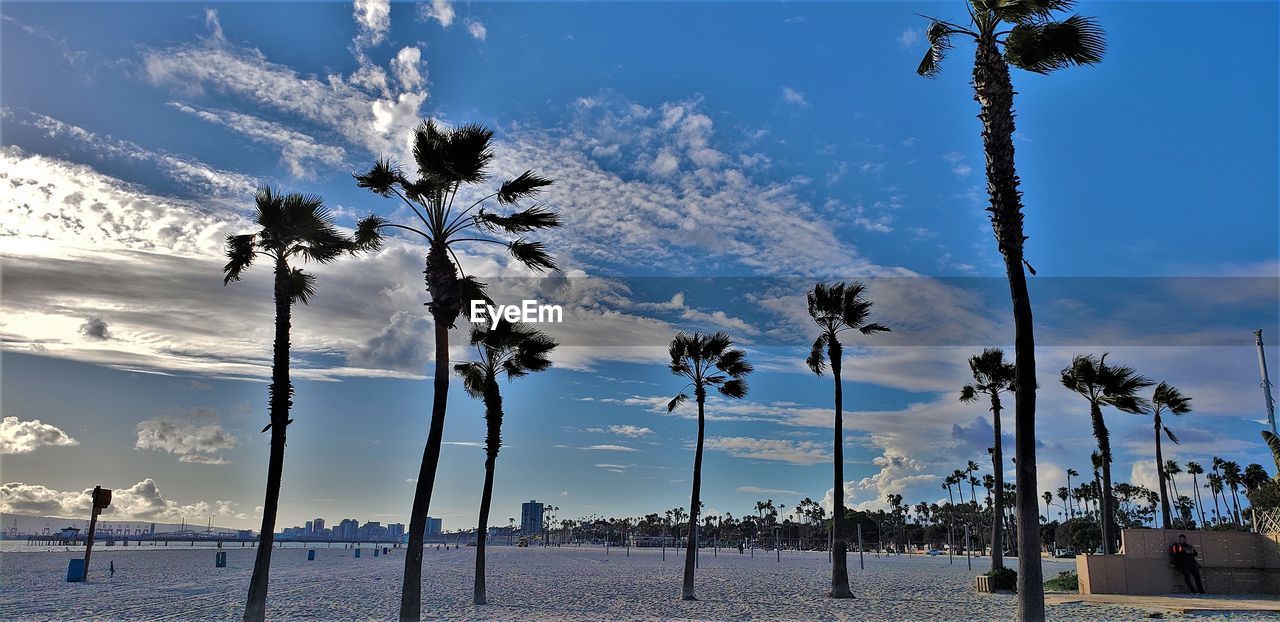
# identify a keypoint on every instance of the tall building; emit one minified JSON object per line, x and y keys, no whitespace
{"x":395,"y":531}
{"x":346,"y":529}
{"x":530,"y":518}
{"x":434,"y":526}
{"x":317,"y":526}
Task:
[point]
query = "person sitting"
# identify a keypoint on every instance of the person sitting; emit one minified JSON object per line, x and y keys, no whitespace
{"x":1184,"y":556}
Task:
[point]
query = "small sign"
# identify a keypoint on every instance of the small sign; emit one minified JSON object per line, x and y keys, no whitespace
{"x":220,"y":560}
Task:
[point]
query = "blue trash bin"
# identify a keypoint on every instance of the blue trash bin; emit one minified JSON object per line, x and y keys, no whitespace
{"x":311,"y":555}
{"x":75,"y":571}
{"x":376,"y":550}
{"x":357,"y":552}
{"x":220,"y":560}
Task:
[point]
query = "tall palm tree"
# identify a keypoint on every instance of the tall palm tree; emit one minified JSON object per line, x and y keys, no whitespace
{"x":1103,"y":384}
{"x":1095,"y":461}
{"x":511,"y":350}
{"x":1048,"y":505}
{"x":1071,"y":509}
{"x":706,"y":361}
{"x":991,"y":377}
{"x":1172,"y":468}
{"x":835,"y":309}
{"x":1166,"y":399}
{"x":450,"y":161}
{"x":1033,"y":41}
{"x":293,"y":227}
{"x":1194,"y":469}
{"x":1231,"y":477}
{"x":1214,"y":484}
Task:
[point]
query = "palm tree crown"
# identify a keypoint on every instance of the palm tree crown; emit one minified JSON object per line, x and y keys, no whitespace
{"x":708,"y":360}
{"x":1032,"y":38}
{"x":991,"y":375}
{"x":835,"y":309}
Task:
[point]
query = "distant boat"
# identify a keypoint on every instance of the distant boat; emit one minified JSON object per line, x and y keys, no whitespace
{"x":70,"y":532}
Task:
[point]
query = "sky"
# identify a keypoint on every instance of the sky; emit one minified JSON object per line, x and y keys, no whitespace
{"x":712,"y":161}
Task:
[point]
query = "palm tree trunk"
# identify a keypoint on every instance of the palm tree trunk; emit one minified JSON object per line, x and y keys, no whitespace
{"x":997,"y":469}
{"x":839,"y":557}
{"x":1165,"y":515}
{"x":1195,"y":490}
{"x":442,"y":282}
{"x":281,"y":398}
{"x":1107,"y":501}
{"x":482,"y":528}
{"x":994,"y":92}
{"x":493,"y":442}
{"x":695,"y":497}
{"x":1235,"y":496}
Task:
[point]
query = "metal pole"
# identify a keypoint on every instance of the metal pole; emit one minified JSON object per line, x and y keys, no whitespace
{"x":777,"y":544}
{"x":861,"y":564}
{"x":1266,"y":382}
{"x":967,"y":556}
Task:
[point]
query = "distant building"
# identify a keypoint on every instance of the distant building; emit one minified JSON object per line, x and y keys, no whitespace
{"x":310,"y":528}
{"x":395,"y":531}
{"x":317,"y":526}
{"x":530,"y":518}
{"x":435,"y":526}
{"x":347,"y":529}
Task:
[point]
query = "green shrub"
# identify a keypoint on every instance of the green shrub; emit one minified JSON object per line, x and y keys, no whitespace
{"x":1003,"y":579}
{"x":1066,"y":581}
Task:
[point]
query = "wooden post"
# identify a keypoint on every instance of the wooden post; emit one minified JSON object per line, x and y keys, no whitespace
{"x":101,"y":499}
{"x":861,"y":565}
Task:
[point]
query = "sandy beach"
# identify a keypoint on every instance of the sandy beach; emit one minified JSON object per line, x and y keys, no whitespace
{"x":570,"y":583}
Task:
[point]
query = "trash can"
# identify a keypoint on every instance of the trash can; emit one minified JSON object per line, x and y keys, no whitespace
{"x":357,"y":552}
{"x":220,"y":560}
{"x":75,"y":571}
{"x":376,"y":550}
{"x":311,"y":555}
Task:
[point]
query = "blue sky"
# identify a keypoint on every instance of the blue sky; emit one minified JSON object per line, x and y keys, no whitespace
{"x":690,"y":141}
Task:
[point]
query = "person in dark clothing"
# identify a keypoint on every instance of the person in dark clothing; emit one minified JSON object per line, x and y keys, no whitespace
{"x":1184,"y":556}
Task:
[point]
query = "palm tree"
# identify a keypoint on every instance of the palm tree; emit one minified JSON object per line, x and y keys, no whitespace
{"x":992,"y":376}
{"x":1171,"y":468}
{"x":448,"y":161}
{"x":1095,"y":460}
{"x":706,"y":361}
{"x":835,"y":309}
{"x":1194,"y":469}
{"x":1048,"y":505}
{"x":1103,"y":384}
{"x":511,"y":350}
{"x":1214,"y":484}
{"x":1071,"y":509}
{"x":1231,"y":477}
{"x":1166,"y":399}
{"x":1032,"y":41}
{"x":293,"y":226}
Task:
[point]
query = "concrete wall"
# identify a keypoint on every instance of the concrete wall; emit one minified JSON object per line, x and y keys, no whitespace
{"x":1230,"y":563}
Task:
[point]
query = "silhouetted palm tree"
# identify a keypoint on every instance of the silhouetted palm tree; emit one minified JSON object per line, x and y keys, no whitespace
{"x":1194,"y":470}
{"x":991,"y":377}
{"x":1033,"y":41}
{"x":1048,"y":506}
{"x":293,"y":227}
{"x":511,"y":350}
{"x":835,"y":309}
{"x":706,"y":361}
{"x":1214,"y":484}
{"x":1166,"y":399}
{"x":1071,"y":507}
{"x":1103,"y":384}
{"x":449,"y":160}
{"x":1231,"y":477}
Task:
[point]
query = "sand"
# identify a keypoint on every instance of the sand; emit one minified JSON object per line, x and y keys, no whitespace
{"x":570,"y":583}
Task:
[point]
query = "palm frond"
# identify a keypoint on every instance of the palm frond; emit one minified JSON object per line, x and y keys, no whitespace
{"x":533,"y":255}
{"x":528,"y":184}
{"x":1173,"y":437}
{"x":1023,"y":11}
{"x":532,"y":219}
{"x":473,"y":377}
{"x":302,"y":286}
{"x":368,"y":236}
{"x":736,"y":388}
{"x":381,"y":179}
{"x":874,"y":327}
{"x":240,"y":255}
{"x":677,"y":401}
{"x":1044,"y":47}
{"x":468,"y":153}
{"x":939,"y":36}
{"x":968,"y":394}
{"x":471,"y":289}
{"x":817,"y":355}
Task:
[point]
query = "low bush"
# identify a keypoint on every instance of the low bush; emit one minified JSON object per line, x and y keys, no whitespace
{"x":1003,"y":579}
{"x":1066,"y":581}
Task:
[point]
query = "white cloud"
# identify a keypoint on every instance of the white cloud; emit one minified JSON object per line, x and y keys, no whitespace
{"x":141,"y":501}
{"x":777,"y":450}
{"x":373,"y":20}
{"x":909,"y":38}
{"x":630,"y":430}
{"x":476,"y":29}
{"x":407,"y":67}
{"x":23,"y":437}
{"x":196,"y":436}
{"x":439,"y":10}
{"x":299,"y":152}
{"x":610,"y":447}
{"x":794,"y":97}
{"x":756,"y":490}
